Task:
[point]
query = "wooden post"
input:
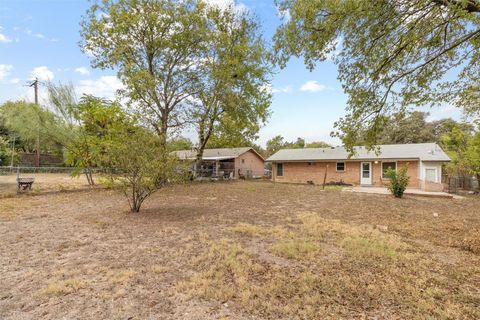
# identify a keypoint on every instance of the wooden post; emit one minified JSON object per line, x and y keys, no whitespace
{"x":34,"y":84}
{"x":325,"y":177}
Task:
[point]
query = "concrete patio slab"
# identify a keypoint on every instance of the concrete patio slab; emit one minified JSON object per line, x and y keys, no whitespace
{"x":408,"y":191}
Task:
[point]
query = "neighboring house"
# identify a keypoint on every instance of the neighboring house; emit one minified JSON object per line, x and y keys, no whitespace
{"x":233,"y":162}
{"x":365,"y":167}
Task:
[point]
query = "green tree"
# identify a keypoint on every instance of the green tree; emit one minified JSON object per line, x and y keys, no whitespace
{"x":63,"y":100}
{"x":472,"y":155}
{"x":403,"y":127}
{"x":142,"y":165}
{"x":98,"y":117}
{"x":298,"y":144}
{"x":179,"y":143}
{"x":5,"y":152}
{"x":31,"y":124}
{"x":462,"y":144}
{"x":392,"y":55}
{"x":455,"y":144}
{"x":230,"y":101}
{"x":445,"y":126}
{"x":156,"y":47}
{"x":317,"y":144}
{"x":398,"y":181}
{"x":275,"y":144}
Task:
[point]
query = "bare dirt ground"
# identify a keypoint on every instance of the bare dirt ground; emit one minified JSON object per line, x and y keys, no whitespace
{"x":239,"y":250}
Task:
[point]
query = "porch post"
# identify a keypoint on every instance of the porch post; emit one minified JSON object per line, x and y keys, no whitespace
{"x":217,"y":165}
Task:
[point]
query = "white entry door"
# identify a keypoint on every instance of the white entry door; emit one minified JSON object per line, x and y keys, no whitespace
{"x":366,"y":173}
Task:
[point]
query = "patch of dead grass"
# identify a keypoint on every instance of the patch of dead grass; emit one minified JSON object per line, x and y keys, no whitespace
{"x":64,"y":286}
{"x":120,"y":276}
{"x":296,"y":249}
{"x":228,"y":271}
{"x":370,"y":247}
{"x":226,"y":267}
{"x":471,"y":242}
{"x":159,"y":269}
{"x":246,"y":228}
{"x":374,"y":273}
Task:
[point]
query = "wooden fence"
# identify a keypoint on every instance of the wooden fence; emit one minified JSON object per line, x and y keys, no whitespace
{"x":459,"y":184}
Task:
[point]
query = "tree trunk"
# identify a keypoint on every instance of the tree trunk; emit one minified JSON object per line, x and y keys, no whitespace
{"x":89,"y":176}
{"x":198,"y":163}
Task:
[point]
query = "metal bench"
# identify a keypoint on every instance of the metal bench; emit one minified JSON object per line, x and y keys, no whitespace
{"x":24,"y":183}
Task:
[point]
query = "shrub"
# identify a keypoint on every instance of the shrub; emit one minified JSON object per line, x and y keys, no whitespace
{"x":398,"y":181}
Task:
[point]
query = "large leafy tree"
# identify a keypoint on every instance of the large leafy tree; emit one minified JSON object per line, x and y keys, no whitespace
{"x":278,"y":142}
{"x":231,"y":134}
{"x":179,"y":143}
{"x":462,"y":144}
{"x":30,"y":124}
{"x":231,"y":101}
{"x":98,"y":118}
{"x":414,"y":127}
{"x":81,"y":127}
{"x":394,"y":54}
{"x":156,"y":47}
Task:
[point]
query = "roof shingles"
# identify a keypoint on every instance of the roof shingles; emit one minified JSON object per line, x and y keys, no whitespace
{"x":221,"y":153}
{"x":421,"y":151}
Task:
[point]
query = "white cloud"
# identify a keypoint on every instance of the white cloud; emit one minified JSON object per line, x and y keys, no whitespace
{"x":224,"y":4}
{"x":83,"y":71}
{"x":14,"y":80}
{"x":312,"y":86}
{"x":105,"y":87}
{"x":270,"y":89}
{"x":286,"y":89}
{"x":4,"y":38}
{"x":5,"y":70}
{"x":38,"y":35}
{"x":42,"y":73}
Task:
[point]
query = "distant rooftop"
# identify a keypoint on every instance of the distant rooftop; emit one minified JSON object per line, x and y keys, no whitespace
{"x":214,"y":154}
{"x":421,"y":151}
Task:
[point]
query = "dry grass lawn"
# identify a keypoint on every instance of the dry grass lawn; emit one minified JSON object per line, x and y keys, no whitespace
{"x":239,"y":250}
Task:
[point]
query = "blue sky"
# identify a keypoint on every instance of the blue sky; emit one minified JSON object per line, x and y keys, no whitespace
{"x":40,"y":38}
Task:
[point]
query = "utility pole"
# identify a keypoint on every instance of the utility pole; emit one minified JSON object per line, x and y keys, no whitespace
{"x":34,"y":84}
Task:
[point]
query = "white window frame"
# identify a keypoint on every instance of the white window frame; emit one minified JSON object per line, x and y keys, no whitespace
{"x":381,"y":168}
{"x":425,"y":174}
{"x":344,"y":166}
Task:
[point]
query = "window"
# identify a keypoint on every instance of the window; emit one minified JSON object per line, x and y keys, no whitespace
{"x":431,"y":174}
{"x":366,"y":170}
{"x":340,"y":166}
{"x":311,"y":163}
{"x":243,"y":161}
{"x":386,"y":166}
{"x":279,"y":169}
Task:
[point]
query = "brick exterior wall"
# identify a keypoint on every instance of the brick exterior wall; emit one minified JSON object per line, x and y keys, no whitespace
{"x":249,"y":161}
{"x":302,"y":172}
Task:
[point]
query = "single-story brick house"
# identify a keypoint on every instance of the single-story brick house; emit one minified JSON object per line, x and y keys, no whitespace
{"x":365,"y":167}
{"x":234,"y":162}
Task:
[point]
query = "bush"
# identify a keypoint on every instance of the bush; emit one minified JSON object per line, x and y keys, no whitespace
{"x":398,"y":181}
